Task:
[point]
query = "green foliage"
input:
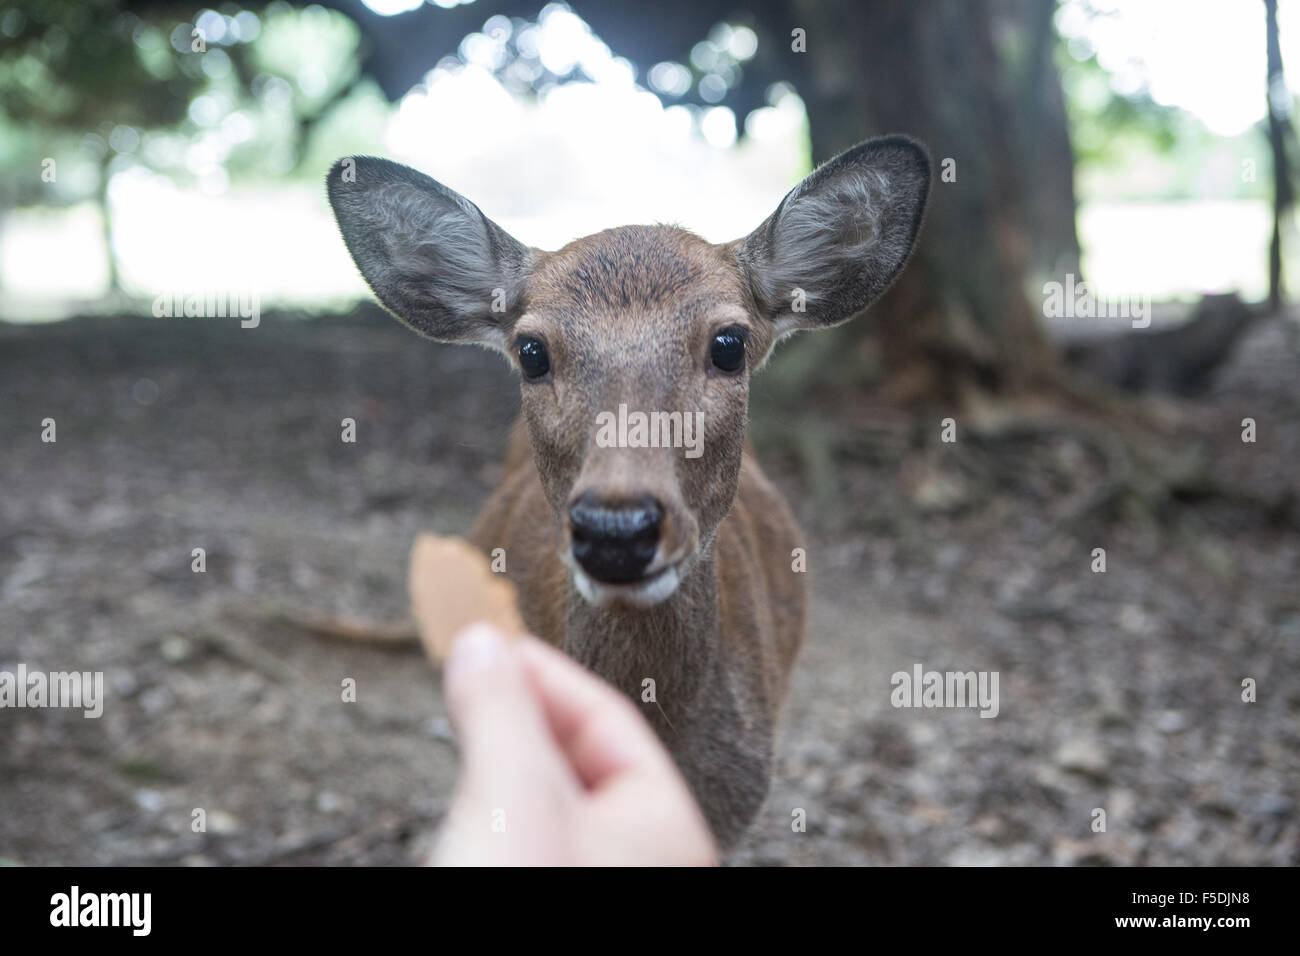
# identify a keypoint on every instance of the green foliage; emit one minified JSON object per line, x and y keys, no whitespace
{"x":190,"y":92}
{"x":1128,"y":146}
{"x":70,"y":64}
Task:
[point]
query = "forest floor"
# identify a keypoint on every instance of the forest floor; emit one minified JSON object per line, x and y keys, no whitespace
{"x":1119,"y":691}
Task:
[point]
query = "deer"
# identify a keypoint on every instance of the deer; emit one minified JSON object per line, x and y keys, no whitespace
{"x":672,"y":577}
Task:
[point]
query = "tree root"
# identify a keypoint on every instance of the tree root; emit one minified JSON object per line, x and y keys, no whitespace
{"x":1140,"y":448}
{"x":396,"y":636}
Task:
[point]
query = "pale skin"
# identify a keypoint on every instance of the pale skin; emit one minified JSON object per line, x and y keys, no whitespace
{"x":557,"y":767}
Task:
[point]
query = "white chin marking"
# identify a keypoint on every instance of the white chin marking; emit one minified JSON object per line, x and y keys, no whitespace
{"x":637,"y":594}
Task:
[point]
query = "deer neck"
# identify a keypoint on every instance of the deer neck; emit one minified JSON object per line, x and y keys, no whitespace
{"x":674,"y":643}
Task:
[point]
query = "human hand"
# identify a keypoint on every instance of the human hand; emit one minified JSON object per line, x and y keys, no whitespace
{"x":557,"y":767}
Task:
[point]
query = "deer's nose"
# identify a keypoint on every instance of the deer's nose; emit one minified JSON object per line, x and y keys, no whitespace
{"x":615,"y":542}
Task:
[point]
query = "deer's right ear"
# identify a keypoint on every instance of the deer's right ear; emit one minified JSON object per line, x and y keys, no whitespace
{"x":429,"y":254}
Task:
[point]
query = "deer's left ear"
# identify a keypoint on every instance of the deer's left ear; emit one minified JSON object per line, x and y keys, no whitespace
{"x":840,"y":237}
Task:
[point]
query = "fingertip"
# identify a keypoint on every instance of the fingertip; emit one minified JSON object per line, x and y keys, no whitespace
{"x":479,"y":660}
{"x":478,"y":647}
{"x":500,"y":725}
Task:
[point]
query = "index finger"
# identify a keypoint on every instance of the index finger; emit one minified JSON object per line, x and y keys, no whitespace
{"x":595,"y":726}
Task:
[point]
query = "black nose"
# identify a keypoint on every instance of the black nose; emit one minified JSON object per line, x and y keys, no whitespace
{"x":615,"y":543}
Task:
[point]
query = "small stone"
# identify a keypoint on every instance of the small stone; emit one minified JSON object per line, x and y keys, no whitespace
{"x":1083,"y":755}
{"x":936,"y":493}
{"x":175,"y":648}
{"x":1134,"y":621}
{"x":219,"y":821}
{"x":124,"y":683}
{"x":1097,"y":850}
{"x":145,"y":391}
{"x":1275,"y":805}
{"x":976,"y":856}
{"x":949,"y":556}
{"x":1171,"y":722}
{"x":930,"y":813}
{"x":439,"y":728}
{"x":156,"y":699}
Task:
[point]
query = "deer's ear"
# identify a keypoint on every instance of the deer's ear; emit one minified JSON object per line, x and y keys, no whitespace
{"x":840,"y":237}
{"x":431,"y":257}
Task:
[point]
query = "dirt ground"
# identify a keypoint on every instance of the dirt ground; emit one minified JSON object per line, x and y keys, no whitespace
{"x":1120,"y":691}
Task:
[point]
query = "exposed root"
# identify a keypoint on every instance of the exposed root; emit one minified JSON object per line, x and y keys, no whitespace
{"x":1133,"y":456}
{"x":399,"y":636}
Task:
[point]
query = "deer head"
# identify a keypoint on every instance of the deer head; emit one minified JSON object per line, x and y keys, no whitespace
{"x":635,"y":321}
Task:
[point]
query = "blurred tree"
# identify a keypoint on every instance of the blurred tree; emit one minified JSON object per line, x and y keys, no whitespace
{"x":975,"y":80}
{"x":82,"y":68}
{"x":992,"y":114}
{"x":1279,"y":131}
{"x":123,"y":83}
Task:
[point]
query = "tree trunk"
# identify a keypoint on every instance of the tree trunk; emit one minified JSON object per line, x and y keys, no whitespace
{"x":960,"y":317}
{"x":1044,"y":152}
{"x":1278,"y":121}
{"x":106,"y":224}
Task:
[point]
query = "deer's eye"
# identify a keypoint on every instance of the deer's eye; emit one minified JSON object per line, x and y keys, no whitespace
{"x":728,"y":350}
{"x":533,"y":358}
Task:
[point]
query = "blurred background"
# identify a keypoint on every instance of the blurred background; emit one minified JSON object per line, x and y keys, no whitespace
{"x":158,"y":151}
{"x":1110,"y":128}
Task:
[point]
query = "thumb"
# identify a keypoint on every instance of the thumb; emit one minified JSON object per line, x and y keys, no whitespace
{"x":506,"y":748}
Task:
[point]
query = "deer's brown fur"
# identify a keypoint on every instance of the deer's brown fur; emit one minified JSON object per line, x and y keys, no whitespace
{"x":627,"y":317}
